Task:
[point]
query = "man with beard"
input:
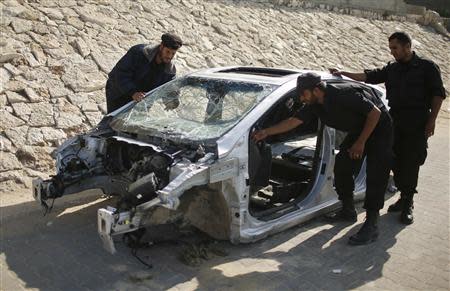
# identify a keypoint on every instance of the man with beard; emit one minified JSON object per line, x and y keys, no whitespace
{"x":415,"y":93}
{"x":141,"y":69}
{"x":351,"y":109}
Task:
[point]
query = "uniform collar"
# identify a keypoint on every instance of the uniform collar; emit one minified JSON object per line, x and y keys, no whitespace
{"x":413,"y":62}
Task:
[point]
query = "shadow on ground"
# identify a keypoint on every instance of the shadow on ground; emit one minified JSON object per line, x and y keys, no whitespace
{"x":62,"y":251}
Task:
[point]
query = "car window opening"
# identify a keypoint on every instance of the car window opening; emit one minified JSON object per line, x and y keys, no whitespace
{"x":282,"y":168}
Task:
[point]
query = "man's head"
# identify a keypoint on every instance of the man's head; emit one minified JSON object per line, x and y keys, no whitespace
{"x":400,"y":46}
{"x":170,"y":43}
{"x":310,"y":88}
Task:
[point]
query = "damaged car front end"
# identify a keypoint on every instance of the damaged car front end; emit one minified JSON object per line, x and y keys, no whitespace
{"x":149,"y":154}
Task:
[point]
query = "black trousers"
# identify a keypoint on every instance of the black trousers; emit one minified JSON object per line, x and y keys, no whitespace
{"x":378,"y":152}
{"x":410,"y":152}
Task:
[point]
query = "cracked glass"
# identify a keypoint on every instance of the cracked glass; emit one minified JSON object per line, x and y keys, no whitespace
{"x":192,"y":108}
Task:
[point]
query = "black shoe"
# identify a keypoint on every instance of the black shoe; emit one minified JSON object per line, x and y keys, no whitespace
{"x":406,"y":217}
{"x":368,"y":232}
{"x":344,"y":215}
{"x":397,"y":206}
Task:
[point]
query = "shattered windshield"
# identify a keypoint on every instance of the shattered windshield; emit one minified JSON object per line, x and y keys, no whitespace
{"x":192,"y":108}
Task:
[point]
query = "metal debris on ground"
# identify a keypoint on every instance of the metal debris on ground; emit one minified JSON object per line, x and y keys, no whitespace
{"x":195,"y":254}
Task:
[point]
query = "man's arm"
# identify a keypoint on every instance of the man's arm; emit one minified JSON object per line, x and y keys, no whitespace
{"x":124,"y":73}
{"x":434,"y":82}
{"x":281,"y":127}
{"x":355,"y":76}
{"x":375,"y":76}
{"x":436,"y":103}
{"x":357,"y":149}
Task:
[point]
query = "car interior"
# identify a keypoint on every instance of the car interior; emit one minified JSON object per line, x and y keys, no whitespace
{"x":282,"y":167}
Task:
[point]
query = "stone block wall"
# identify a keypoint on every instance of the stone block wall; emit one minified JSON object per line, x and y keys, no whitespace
{"x":380,"y":9}
{"x":55,"y":56}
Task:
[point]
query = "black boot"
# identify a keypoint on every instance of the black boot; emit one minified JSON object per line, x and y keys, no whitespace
{"x":397,"y":206}
{"x":368,"y":232}
{"x":406,"y":217}
{"x":346,"y":214}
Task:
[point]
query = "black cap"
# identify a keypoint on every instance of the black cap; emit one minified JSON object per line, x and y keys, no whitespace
{"x":171,"y":41}
{"x":307,"y":81}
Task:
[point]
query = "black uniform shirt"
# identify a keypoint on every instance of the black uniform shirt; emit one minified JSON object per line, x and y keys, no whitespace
{"x":409,"y":86}
{"x":345,"y":107}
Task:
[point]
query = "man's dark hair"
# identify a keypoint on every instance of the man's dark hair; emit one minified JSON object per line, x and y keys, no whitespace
{"x":401,"y":36}
{"x":309,"y":81}
{"x":171,"y":41}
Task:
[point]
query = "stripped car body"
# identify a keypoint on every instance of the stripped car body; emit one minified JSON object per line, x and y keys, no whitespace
{"x":198,"y":161}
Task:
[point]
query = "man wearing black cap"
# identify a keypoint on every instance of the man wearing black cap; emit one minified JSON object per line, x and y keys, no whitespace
{"x":349,"y":108}
{"x":141,"y":69}
{"x":415,"y":93}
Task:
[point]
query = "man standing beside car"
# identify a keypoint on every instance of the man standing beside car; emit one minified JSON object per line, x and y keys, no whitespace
{"x":141,"y":69}
{"x":415,"y":93}
{"x":349,"y":108}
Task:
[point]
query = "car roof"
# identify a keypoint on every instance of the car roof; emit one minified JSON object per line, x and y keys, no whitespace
{"x":275,"y":76}
{"x":266,"y":75}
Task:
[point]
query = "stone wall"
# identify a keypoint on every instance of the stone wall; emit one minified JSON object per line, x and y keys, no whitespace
{"x":390,"y":6}
{"x":55,"y":56}
{"x":440,"y":6}
{"x":380,"y":9}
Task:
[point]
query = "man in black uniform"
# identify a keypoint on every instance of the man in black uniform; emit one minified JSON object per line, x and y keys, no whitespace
{"x":349,"y":108}
{"x":415,"y":92}
{"x":143,"y":68}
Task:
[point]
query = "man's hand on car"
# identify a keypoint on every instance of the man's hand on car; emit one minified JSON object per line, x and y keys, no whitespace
{"x":138,"y":96}
{"x":335,"y":72}
{"x":259,"y":135}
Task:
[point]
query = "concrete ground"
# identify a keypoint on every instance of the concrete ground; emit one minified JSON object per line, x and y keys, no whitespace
{"x":62,"y":251}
